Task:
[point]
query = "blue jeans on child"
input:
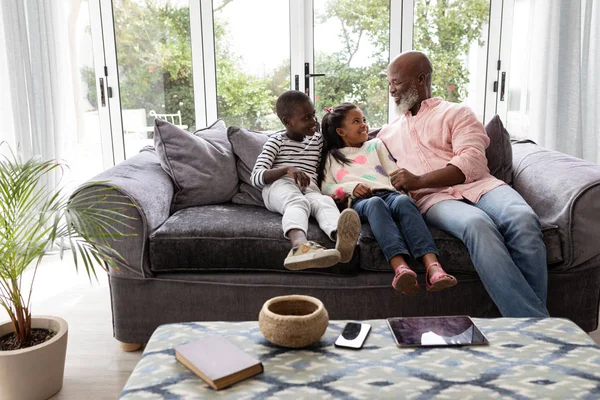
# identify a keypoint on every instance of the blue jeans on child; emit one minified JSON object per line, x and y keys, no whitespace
{"x":396,"y":223}
{"x":504,"y":238}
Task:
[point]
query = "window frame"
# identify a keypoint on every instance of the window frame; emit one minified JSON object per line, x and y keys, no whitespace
{"x":301,"y":51}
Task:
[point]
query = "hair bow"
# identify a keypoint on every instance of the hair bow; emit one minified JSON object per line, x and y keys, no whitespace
{"x":329,"y":109}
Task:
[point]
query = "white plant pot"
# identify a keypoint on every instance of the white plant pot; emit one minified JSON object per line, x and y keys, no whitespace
{"x":34,"y":373}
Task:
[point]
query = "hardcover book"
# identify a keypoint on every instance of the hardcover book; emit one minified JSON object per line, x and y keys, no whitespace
{"x":219,"y":362}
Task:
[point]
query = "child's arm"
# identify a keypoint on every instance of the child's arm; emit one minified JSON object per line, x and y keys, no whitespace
{"x":385,"y":158}
{"x":262,"y":174}
{"x":331,"y":186}
{"x":262,"y":168}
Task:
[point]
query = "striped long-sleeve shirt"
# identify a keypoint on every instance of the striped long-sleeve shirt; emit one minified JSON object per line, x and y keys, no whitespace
{"x":281,"y":151}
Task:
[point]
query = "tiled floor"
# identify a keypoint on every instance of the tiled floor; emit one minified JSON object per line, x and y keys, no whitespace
{"x":96,"y":368}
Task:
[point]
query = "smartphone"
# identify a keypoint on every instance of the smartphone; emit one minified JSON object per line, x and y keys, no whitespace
{"x":353,"y":336}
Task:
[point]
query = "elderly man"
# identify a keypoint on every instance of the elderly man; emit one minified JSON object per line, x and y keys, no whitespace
{"x":440,"y":148}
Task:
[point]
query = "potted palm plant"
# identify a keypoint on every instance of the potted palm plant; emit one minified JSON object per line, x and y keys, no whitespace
{"x":34,"y":217}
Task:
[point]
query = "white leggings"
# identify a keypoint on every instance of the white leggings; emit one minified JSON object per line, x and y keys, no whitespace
{"x":284,"y":197}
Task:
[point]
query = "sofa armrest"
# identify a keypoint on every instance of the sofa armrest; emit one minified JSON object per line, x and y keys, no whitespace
{"x":149,"y":188}
{"x":564,"y":191}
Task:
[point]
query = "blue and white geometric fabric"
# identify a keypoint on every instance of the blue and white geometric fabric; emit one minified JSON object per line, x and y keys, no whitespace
{"x":546,"y":358}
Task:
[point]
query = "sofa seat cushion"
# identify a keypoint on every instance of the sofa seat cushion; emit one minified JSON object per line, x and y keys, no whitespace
{"x":454,"y":256}
{"x":229,"y":237}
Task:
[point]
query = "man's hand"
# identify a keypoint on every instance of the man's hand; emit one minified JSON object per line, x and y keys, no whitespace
{"x":404,"y":180}
{"x":301,"y":179}
{"x":362,"y":192}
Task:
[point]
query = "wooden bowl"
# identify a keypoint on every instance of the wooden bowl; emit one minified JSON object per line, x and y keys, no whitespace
{"x":293,"y":321}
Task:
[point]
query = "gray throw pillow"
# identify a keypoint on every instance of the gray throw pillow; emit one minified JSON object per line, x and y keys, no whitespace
{"x":201,"y":165}
{"x":247,"y":146}
{"x":499,"y":152}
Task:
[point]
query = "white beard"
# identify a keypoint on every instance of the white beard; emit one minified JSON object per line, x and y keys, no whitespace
{"x":408,"y":100}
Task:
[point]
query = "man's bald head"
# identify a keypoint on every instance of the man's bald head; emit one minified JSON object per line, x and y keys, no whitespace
{"x":411,"y":62}
{"x":409,"y":77}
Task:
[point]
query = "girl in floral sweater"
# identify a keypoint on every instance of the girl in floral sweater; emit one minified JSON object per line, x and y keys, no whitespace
{"x":357,"y":167}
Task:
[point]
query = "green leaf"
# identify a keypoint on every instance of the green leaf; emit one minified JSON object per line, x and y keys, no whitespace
{"x":34,"y":216}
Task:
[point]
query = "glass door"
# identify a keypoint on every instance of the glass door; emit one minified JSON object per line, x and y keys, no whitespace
{"x":86,"y":145}
{"x":252,"y":53}
{"x":514,"y":91}
{"x":355,"y":40}
{"x":150,"y":69}
{"x":352,"y":49}
{"x":193,"y":61}
{"x":456,"y":37}
{"x":89,"y":149}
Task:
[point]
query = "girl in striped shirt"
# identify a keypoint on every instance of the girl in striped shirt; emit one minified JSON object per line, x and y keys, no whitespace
{"x":286,"y":171}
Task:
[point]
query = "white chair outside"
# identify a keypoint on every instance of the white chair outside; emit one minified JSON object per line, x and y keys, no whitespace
{"x":174,"y":119}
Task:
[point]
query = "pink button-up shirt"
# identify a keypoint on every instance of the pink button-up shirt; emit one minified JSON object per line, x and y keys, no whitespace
{"x":441,"y":133}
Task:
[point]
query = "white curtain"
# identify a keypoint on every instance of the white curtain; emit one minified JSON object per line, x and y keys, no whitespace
{"x":37,"y":77}
{"x":564,"y":88}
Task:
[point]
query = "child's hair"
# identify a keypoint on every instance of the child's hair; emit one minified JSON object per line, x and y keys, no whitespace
{"x":287,"y":102}
{"x":332,"y":120}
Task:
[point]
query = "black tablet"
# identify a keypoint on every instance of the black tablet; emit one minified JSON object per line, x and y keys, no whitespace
{"x":457,"y":330}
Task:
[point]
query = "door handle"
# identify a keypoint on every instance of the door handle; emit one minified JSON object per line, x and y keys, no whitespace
{"x":502,"y":86}
{"x":102,"y":96}
{"x":307,"y":76}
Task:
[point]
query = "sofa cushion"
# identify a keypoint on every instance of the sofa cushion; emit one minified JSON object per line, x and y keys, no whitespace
{"x":247,"y":145}
{"x":246,"y":194}
{"x":202,"y":165}
{"x":454,"y":256}
{"x":229,"y":237}
{"x":499,"y":152}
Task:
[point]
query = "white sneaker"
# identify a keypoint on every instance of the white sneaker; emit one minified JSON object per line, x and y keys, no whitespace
{"x":348,"y":230}
{"x":311,"y":255}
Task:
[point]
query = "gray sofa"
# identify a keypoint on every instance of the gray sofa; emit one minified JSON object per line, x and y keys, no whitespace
{"x":223,"y":261}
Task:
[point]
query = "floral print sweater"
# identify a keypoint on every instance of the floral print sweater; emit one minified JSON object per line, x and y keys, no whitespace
{"x":370,"y":165}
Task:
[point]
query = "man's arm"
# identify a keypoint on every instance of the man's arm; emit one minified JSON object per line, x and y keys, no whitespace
{"x":468,"y":163}
{"x":469,"y":142}
{"x":403,"y":179}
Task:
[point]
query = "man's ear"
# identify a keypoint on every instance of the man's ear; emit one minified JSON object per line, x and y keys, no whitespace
{"x":422,"y":79}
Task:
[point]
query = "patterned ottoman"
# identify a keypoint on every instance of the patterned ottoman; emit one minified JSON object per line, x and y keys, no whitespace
{"x":526,"y":358}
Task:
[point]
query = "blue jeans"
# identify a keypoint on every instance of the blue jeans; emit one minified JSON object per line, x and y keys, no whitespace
{"x":504,"y":238}
{"x":397,"y":224}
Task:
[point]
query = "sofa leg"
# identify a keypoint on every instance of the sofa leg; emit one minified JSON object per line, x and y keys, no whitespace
{"x":130,"y":346}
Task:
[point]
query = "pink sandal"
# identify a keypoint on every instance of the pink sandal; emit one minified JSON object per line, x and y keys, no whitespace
{"x":405,"y":281}
{"x":439,"y":280}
